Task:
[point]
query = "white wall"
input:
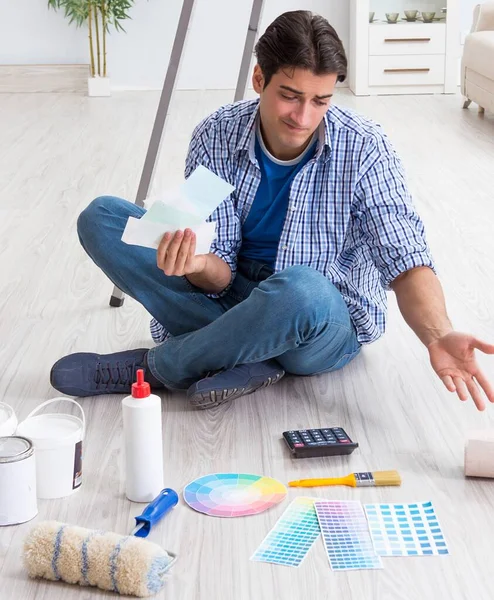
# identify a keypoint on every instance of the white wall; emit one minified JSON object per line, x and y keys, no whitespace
{"x":32,"y":34}
{"x":466,"y":14}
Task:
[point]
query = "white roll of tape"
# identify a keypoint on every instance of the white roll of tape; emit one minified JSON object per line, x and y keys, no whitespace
{"x":479,"y":454}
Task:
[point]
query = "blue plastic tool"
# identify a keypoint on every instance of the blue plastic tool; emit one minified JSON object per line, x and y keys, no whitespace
{"x":155,"y":511}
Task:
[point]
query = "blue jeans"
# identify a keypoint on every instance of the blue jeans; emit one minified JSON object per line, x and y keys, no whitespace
{"x":295,"y":316}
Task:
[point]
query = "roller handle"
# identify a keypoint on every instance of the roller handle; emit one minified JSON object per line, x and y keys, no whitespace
{"x":155,"y":511}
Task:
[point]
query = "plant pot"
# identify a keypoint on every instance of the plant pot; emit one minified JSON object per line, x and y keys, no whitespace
{"x":98,"y":86}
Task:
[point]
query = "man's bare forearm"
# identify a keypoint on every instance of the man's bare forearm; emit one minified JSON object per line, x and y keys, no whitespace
{"x":215,"y":276}
{"x":421,"y":302}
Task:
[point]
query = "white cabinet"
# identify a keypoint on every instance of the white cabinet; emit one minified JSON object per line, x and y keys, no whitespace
{"x":406,"y":57}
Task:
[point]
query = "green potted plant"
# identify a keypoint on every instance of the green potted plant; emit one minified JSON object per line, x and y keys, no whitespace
{"x":98,"y":16}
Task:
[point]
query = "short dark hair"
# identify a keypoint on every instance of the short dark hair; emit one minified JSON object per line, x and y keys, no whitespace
{"x":301,"y":39}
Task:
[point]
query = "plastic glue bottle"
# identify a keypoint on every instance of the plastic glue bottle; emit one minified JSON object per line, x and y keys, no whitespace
{"x":143,"y":442}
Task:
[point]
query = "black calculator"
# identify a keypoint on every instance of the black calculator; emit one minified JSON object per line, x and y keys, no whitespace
{"x":308,"y":443}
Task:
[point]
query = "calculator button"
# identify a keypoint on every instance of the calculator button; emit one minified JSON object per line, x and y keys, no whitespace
{"x":298,"y":445}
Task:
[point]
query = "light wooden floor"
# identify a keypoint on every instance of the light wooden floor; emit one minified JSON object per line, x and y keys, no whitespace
{"x":57,"y":152}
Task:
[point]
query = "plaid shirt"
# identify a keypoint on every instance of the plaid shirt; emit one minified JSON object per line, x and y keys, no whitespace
{"x":350,"y":214}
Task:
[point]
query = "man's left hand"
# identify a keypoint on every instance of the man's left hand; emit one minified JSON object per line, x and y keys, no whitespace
{"x":453,"y":359}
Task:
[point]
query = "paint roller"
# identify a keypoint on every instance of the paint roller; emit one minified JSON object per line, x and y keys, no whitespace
{"x":124,"y":564}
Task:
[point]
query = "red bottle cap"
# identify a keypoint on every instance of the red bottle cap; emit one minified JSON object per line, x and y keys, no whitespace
{"x":141,"y":389}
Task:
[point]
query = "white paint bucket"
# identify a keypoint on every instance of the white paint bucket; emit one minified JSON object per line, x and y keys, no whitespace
{"x":8,"y":420}
{"x":57,"y":439}
{"x":17,"y":481}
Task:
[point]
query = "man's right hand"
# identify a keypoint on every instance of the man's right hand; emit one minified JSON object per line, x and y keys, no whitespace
{"x":176,"y":254}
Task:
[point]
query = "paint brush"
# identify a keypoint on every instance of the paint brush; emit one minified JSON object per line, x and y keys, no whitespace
{"x":377,"y":478}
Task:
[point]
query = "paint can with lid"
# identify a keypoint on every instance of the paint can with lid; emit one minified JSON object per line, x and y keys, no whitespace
{"x":8,"y":420}
{"x":57,"y":438}
{"x":17,"y":480}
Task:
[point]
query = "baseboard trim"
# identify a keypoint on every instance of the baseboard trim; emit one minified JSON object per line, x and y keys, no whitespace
{"x":43,"y":78}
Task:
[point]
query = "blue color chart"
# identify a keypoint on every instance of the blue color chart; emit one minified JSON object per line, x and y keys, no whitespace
{"x":293,"y":535}
{"x":405,"y":529}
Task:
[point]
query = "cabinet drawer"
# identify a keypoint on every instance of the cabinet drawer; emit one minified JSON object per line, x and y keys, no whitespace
{"x":409,"y":38}
{"x":406,"y":70}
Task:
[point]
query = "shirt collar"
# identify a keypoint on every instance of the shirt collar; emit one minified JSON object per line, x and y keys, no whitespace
{"x":324,"y":144}
{"x":248,"y":138}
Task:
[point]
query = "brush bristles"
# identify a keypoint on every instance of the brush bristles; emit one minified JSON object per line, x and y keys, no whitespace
{"x":386,"y":478}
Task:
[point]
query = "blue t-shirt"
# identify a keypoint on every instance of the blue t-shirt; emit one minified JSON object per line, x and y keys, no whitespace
{"x":262,"y":229}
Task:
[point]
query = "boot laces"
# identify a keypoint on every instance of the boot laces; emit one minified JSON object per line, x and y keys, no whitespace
{"x":115,"y":374}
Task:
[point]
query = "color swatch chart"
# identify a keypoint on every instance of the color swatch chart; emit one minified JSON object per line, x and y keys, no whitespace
{"x":233,"y":494}
{"x":346,"y":535}
{"x":293,"y":535}
{"x":405,"y":529}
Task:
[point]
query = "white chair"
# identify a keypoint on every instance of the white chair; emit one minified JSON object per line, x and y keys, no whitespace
{"x":477,"y":67}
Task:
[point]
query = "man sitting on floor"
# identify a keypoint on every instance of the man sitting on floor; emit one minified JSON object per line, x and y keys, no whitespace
{"x":319,"y":226}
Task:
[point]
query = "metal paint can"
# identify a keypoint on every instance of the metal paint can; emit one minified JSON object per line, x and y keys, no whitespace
{"x":17,"y":480}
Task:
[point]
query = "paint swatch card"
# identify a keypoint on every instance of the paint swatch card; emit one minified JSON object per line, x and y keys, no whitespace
{"x":149,"y":234}
{"x":205,"y":191}
{"x":187,"y":206}
{"x":346,"y":535}
{"x":174,"y":217}
{"x":405,"y":529}
{"x":292,"y":537}
{"x":191,"y":202}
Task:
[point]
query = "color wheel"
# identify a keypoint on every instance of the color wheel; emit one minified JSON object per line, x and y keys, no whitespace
{"x":233,"y":494}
